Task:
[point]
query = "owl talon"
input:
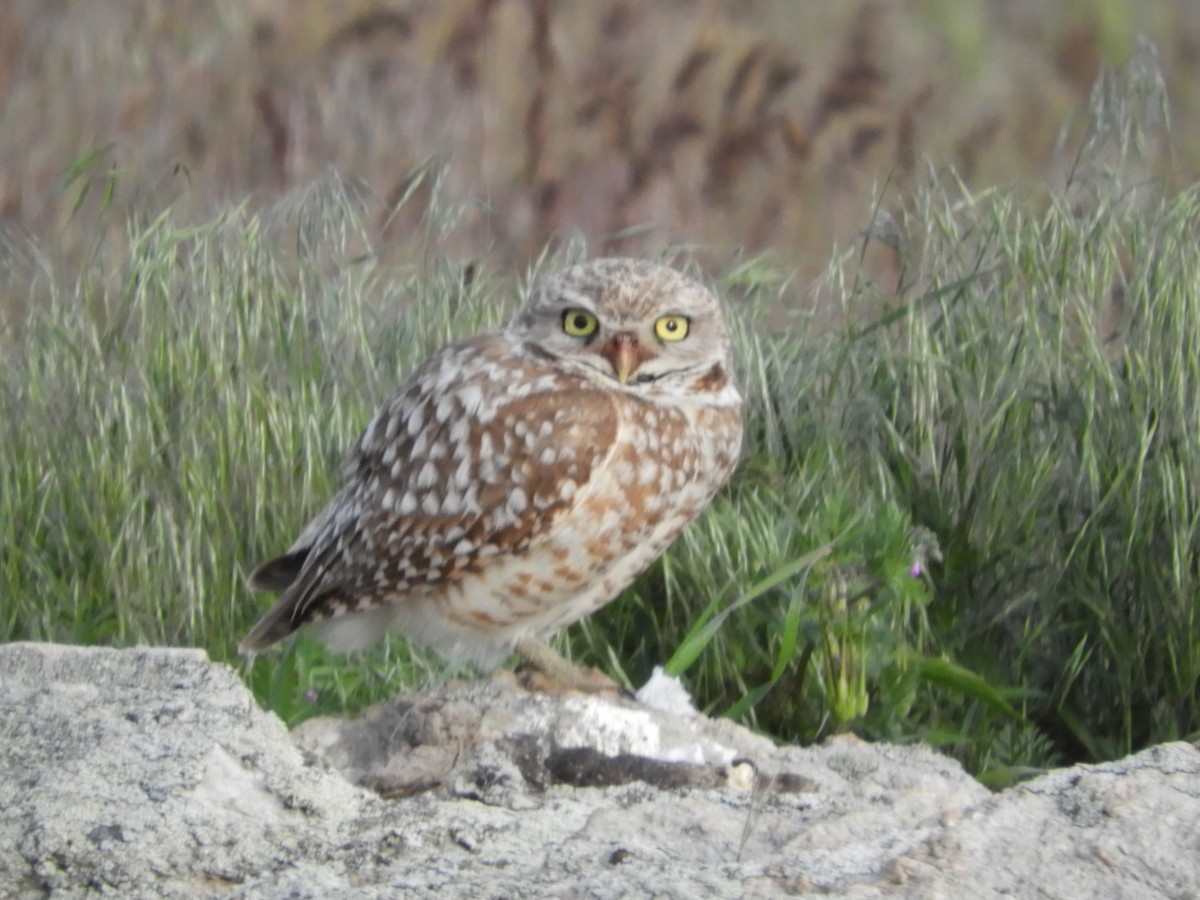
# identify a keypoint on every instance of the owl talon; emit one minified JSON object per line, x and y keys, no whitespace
{"x":544,"y":670}
{"x":582,"y":680}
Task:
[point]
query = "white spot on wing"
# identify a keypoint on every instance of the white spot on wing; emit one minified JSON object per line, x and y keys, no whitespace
{"x":471,"y":500}
{"x":420,"y":446}
{"x":369,"y":435}
{"x":427,"y":477}
{"x":462,"y":475}
{"x":416,"y":421}
{"x":517,"y":502}
{"x":393,"y":426}
{"x":471,"y":397}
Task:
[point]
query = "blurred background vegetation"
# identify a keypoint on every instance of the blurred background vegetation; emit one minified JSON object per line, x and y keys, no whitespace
{"x":957,"y":240}
{"x":747,"y":126}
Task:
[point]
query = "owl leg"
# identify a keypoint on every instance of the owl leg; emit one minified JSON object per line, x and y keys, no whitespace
{"x":546,"y":670}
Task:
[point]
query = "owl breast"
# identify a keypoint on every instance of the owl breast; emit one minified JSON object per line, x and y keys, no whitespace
{"x":662,"y":471}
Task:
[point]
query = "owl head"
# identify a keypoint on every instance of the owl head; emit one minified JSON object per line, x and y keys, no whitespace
{"x":629,"y":325}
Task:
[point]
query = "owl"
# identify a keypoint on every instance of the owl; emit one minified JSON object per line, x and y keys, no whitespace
{"x":522,"y":478}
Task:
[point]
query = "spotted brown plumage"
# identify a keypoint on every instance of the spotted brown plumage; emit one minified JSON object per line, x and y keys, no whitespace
{"x":520,"y":479}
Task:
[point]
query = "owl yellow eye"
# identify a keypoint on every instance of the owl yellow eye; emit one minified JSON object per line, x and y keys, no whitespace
{"x":579,"y":323}
{"x":671,"y":328}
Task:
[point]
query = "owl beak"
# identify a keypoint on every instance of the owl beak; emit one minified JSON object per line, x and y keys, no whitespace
{"x":623,"y":353}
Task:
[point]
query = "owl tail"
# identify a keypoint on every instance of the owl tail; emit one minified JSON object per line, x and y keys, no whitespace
{"x":283,"y":573}
{"x":280,"y":573}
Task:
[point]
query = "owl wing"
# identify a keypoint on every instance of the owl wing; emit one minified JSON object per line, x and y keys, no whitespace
{"x":473,"y":458}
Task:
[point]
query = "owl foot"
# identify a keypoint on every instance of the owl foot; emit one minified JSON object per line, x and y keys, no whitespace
{"x":544,"y":670}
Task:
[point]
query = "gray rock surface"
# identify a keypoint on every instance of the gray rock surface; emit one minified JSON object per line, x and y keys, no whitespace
{"x":152,"y":773}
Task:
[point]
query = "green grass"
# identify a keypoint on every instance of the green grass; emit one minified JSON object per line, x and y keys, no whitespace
{"x":969,"y":513}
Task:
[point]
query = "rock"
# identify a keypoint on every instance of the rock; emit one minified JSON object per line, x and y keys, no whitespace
{"x":490,"y":740}
{"x":152,"y":773}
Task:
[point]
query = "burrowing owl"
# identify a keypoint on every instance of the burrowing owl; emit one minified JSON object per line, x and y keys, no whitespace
{"x":520,"y":479}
